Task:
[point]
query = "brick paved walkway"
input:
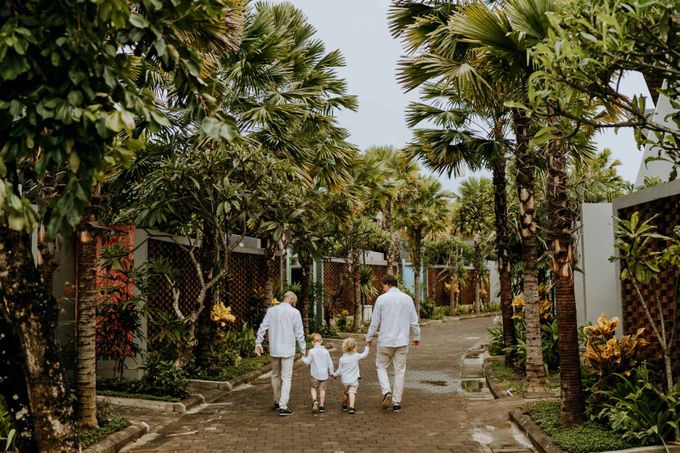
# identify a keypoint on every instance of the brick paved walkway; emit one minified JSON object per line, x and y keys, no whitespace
{"x":434,"y":417}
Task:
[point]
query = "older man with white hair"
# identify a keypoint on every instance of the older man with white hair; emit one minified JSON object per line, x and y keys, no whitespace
{"x":284,"y":324}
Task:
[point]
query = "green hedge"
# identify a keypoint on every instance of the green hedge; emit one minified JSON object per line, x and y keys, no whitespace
{"x":94,"y":435}
{"x":586,"y":438}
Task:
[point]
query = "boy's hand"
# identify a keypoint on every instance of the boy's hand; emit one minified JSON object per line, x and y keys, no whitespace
{"x":258,"y":350}
{"x":416,"y":343}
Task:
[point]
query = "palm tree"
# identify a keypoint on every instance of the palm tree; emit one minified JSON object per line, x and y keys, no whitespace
{"x":424,"y":215}
{"x":455,"y":144}
{"x":473,"y":217}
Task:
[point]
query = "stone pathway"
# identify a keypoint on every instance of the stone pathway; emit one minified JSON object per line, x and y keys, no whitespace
{"x":435,"y":415}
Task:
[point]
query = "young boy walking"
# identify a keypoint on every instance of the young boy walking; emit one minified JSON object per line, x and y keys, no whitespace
{"x":348,"y":370}
{"x":321,"y":369}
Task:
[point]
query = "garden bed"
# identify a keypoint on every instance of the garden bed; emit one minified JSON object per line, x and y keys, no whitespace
{"x":112,"y":436}
{"x":245,"y":366}
{"x":505,"y":381}
{"x":541,"y":422}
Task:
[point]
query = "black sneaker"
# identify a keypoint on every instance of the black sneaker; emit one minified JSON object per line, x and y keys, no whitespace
{"x":276,"y":406}
{"x":344,"y":408}
{"x":285,"y":411}
{"x":352,"y":411}
{"x":315,"y":407}
{"x":387,"y":400}
{"x":396,"y":408}
{"x":322,"y":409}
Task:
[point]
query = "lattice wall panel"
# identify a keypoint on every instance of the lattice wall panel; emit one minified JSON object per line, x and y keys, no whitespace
{"x":668,"y":216}
{"x":246,"y":281}
{"x":438,"y":277}
{"x":338,"y":285}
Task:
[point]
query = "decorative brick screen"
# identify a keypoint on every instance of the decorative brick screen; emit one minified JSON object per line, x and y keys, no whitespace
{"x":668,"y":216}
{"x":246,"y":279}
{"x":338,"y":285}
{"x":438,"y":277}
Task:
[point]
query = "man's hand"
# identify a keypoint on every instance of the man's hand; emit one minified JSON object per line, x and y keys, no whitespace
{"x":258,"y":350}
{"x":416,"y":343}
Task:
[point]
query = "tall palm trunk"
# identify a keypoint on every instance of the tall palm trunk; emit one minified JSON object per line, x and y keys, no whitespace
{"x":356,"y":287}
{"x":393,"y":246}
{"x":562,"y":220}
{"x":269,"y":274}
{"x":502,"y":249}
{"x":306,"y":268}
{"x":478,"y":277}
{"x":86,"y":326}
{"x":525,"y":189}
{"x":33,"y":312}
{"x":417,"y":264}
{"x":452,"y":294}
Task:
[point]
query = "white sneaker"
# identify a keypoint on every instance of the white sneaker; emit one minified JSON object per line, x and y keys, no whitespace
{"x":315,"y":407}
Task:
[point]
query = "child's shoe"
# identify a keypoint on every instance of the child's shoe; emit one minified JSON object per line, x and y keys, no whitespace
{"x":315,"y":407}
{"x":322,"y":409}
{"x":344,"y":408}
{"x":352,"y":411}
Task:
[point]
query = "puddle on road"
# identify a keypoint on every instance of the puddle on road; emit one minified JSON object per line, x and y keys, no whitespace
{"x":473,"y":385}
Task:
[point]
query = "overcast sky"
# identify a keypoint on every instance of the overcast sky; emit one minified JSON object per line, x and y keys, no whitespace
{"x":359,"y":29}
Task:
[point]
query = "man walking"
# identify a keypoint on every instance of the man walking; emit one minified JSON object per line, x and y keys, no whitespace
{"x":284,"y":324}
{"x":395,"y":315}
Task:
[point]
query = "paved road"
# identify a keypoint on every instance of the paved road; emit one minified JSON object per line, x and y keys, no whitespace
{"x":433,"y":418}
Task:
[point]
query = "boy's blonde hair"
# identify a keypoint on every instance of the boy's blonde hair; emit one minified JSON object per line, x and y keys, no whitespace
{"x":316,"y":337}
{"x":349,"y":345}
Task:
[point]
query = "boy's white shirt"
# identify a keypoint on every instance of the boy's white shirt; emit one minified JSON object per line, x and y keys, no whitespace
{"x":348,"y":366}
{"x":320,"y":360}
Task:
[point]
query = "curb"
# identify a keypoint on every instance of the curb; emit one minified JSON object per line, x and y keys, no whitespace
{"x":541,"y":442}
{"x":247,"y":378}
{"x":481,"y":315}
{"x":113,"y":443}
{"x":492,"y":382}
{"x":160,"y":406}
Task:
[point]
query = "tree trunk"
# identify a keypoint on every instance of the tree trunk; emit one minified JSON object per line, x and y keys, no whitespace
{"x":358,"y":308}
{"x":417,"y":263}
{"x":304,"y":292}
{"x":86,"y":328}
{"x":13,"y":386}
{"x":478,"y":278}
{"x":33,"y":312}
{"x":562,"y":220}
{"x":205,"y":329}
{"x":502,"y":251}
{"x":269,"y":274}
{"x":393,"y":246}
{"x":452,"y":294}
{"x":525,"y":187}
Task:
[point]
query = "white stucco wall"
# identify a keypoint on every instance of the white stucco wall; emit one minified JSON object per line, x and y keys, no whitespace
{"x":494,"y":282}
{"x":657,"y":168}
{"x":596,"y":282}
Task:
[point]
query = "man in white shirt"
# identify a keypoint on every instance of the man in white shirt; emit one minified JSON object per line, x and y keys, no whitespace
{"x":284,"y":324}
{"x":395,"y":315}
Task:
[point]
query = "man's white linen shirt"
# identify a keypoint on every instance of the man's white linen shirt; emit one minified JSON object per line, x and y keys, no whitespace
{"x":320,"y":360}
{"x":348,"y":366}
{"x":395,"y":315}
{"x":284,"y":324}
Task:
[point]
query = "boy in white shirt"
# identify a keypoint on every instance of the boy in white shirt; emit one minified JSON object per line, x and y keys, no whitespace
{"x":321,"y":369}
{"x":348,"y":370}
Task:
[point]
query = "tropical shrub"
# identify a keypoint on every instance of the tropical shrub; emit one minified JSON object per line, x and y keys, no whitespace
{"x":497,"y":344}
{"x":464,"y":310}
{"x":427,"y":307}
{"x":440,"y":312}
{"x":7,"y":431}
{"x":491,"y":307}
{"x":118,"y":310}
{"x":163,"y":379}
{"x":549,"y":344}
{"x":638,"y":409}
{"x":607,"y":357}
{"x":170,"y":339}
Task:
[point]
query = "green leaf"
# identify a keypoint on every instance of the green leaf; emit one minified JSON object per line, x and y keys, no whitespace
{"x":138,"y":21}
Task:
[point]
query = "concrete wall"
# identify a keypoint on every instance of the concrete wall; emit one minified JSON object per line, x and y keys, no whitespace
{"x":494,"y":282}
{"x":657,"y":168}
{"x":596,"y":280}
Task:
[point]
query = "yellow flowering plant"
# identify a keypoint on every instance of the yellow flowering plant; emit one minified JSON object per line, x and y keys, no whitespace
{"x":222,"y":315}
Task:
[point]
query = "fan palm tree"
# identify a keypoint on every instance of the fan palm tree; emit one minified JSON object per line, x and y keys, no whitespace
{"x":425,"y":214}
{"x":454,"y":144}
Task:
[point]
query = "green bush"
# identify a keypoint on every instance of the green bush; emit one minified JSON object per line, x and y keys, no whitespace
{"x":144,"y":396}
{"x":244,"y":366}
{"x":464,"y":310}
{"x":427,"y":308}
{"x":549,"y":342}
{"x":7,"y":431}
{"x":586,"y":438}
{"x":440,"y":312}
{"x":243,"y":341}
{"x":491,"y":307}
{"x":497,"y":344}
{"x":639,"y":410}
{"x":94,"y":435}
{"x":163,"y":379}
